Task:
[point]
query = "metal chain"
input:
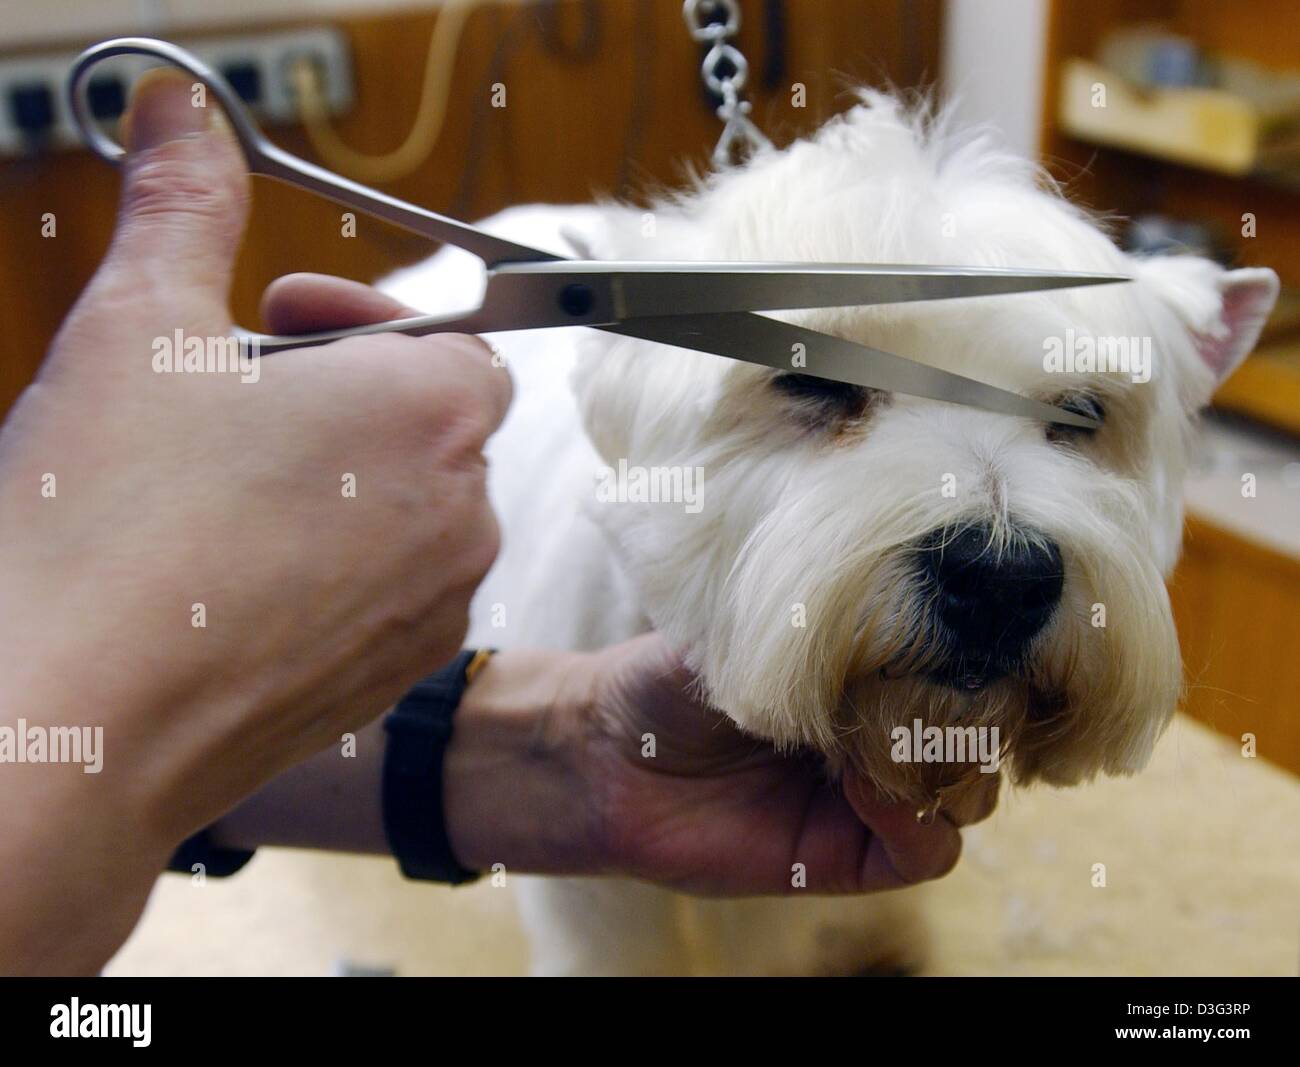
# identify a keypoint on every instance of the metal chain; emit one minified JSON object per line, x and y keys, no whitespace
{"x":725,"y":71}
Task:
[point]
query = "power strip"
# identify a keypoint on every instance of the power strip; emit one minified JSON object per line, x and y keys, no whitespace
{"x":34,"y":113}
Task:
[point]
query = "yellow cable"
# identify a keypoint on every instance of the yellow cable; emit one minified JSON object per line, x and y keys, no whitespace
{"x":429,"y":118}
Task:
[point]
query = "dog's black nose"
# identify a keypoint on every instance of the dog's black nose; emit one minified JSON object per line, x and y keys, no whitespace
{"x":992,"y":598}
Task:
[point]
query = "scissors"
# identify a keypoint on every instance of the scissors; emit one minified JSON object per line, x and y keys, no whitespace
{"x":706,"y":307}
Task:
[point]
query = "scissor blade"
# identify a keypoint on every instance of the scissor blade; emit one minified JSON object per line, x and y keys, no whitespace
{"x":773,"y":287}
{"x":771,"y":343}
{"x":648,"y":288}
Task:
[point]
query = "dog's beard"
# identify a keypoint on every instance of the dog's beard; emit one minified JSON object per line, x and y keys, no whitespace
{"x":802,"y":610}
{"x":1082,"y":698}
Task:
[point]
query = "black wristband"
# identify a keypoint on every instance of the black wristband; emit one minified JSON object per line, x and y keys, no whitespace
{"x":419,"y":729}
{"x":217,"y":862}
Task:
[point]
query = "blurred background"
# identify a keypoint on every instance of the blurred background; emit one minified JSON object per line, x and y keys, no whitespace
{"x":1178,"y":118}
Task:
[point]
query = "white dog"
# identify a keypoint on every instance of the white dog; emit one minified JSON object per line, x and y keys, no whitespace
{"x":840,"y":563}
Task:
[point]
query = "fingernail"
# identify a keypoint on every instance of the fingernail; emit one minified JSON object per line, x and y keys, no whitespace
{"x":163,"y":109}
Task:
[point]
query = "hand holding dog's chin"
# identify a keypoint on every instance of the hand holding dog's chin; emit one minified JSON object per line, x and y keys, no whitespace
{"x":550,"y":771}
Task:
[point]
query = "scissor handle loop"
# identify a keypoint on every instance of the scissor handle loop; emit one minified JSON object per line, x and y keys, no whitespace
{"x":241,"y":122}
{"x":268,"y":159}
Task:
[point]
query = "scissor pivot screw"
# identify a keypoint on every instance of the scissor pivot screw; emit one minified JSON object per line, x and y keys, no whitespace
{"x":577,"y":299}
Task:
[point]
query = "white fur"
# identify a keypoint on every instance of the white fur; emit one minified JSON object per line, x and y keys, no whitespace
{"x":795,"y":514}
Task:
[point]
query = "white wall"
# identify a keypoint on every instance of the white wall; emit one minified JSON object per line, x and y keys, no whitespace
{"x":992,"y":63}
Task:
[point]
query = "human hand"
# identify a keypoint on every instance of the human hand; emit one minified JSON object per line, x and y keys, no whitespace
{"x":568,"y":789}
{"x":200,"y":582}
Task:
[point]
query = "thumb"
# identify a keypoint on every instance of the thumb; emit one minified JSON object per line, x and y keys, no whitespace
{"x":184,"y":198}
{"x":903,"y":849}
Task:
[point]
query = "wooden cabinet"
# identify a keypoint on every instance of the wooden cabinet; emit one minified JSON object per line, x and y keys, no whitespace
{"x":1237,"y":605}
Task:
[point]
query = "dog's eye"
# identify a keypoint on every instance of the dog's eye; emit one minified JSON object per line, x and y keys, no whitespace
{"x":1080,"y":404}
{"x":837,"y":400}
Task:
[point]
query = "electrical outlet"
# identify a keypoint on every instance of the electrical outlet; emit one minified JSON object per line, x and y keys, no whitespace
{"x":34,"y":114}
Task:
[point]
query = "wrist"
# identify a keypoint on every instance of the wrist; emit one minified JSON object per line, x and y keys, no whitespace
{"x":77,"y":855}
{"x":515,"y":790}
{"x":132,"y":737}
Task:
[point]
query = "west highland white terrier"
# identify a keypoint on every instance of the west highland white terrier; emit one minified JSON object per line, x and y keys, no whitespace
{"x":847,"y":569}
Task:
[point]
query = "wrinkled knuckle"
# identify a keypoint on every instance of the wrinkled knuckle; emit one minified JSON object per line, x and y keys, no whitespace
{"x":169,"y":184}
{"x":455,"y":395}
{"x":411,"y":388}
{"x":462,"y":435}
{"x":469,"y":361}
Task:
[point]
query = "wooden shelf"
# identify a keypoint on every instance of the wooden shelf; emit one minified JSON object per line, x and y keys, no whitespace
{"x":1186,"y":153}
{"x":1204,"y":128}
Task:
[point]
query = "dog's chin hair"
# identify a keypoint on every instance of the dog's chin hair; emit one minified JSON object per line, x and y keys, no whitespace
{"x":874,"y":707}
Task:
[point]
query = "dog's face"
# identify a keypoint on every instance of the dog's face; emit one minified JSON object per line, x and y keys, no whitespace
{"x":861,"y":560}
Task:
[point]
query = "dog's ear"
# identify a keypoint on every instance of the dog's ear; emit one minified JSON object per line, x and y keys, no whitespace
{"x":1223,"y":311}
{"x":1246,"y":299}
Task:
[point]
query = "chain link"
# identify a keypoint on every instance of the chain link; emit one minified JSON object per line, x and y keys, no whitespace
{"x":725,"y":71}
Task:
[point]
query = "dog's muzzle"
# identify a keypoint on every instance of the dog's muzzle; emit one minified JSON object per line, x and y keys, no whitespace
{"x":990,"y":599}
